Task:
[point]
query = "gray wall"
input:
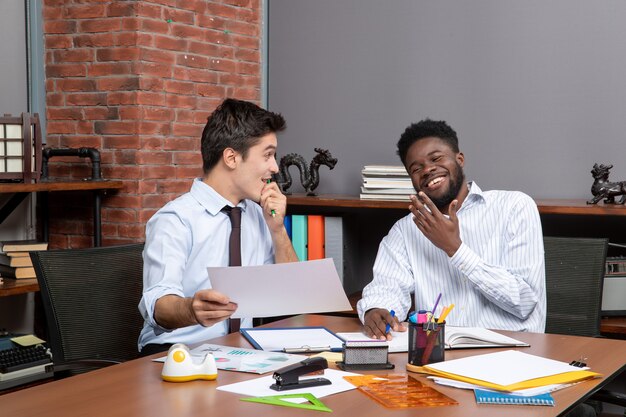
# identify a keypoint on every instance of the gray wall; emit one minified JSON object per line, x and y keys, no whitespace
{"x":536,"y":90}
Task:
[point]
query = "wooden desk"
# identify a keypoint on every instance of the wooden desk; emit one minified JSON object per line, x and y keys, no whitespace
{"x":19,"y":192}
{"x":135,"y":389}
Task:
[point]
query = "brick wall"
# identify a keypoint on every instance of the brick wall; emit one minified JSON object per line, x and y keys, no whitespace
{"x":137,"y":80}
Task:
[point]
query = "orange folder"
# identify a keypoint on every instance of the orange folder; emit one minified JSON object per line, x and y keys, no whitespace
{"x":316,"y":237}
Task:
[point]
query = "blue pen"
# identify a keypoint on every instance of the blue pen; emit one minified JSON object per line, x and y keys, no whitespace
{"x":393,"y":314}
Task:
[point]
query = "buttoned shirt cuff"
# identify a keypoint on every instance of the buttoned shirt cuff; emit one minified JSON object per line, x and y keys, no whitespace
{"x":148,"y":302}
{"x":465,"y":259}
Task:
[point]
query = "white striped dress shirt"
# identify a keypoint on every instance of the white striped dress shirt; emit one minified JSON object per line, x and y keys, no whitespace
{"x":496,"y":278}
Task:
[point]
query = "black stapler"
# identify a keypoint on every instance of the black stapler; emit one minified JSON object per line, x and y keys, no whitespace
{"x":289,"y":377}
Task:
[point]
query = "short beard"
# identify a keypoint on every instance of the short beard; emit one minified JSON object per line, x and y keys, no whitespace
{"x":453,"y":191}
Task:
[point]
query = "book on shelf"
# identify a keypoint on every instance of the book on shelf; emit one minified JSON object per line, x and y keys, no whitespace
{"x":494,"y":397}
{"x":23,"y":245}
{"x":387,"y":183}
{"x":401,"y":191}
{"x":23,"y":272}
{"x":393,"y":197}
{"x":6,"y":259}
{"x":384,"y":170}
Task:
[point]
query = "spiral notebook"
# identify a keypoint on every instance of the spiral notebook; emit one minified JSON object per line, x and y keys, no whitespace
{"x":492,"y":397}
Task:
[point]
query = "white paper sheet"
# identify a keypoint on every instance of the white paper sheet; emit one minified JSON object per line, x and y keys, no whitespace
{"x":504,"y":368}
{"x":260,"y":387}
{"x":281,"y":289}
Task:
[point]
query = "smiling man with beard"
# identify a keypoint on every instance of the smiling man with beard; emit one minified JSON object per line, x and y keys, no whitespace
{"x":482,"y":250}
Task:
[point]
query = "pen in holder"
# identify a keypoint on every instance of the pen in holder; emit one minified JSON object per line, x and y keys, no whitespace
{"x":426,"y":343}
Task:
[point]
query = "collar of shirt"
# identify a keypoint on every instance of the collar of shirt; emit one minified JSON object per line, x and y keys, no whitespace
{"x":475,"y":196}
{"x":210,"y":199}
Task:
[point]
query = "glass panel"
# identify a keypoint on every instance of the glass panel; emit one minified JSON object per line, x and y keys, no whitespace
{"x":1,"y":131}
{"x":14,"y":148}
{"x":2,"y":146}
{"x":14,"y":165}
{"x":14,"y":131}
{"x":3,"y":165}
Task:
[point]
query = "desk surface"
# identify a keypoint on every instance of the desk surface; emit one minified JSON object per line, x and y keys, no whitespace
{"x":135,"y":389}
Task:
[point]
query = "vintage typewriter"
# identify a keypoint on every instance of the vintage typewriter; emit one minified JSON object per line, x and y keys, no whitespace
{"x":22,"y":364}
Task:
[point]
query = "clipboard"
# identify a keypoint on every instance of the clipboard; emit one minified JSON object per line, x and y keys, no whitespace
{"x":293,"y":339}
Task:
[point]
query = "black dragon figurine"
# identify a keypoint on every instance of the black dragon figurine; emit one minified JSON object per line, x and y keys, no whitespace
{"x":603,"y":188}
{"x":309,"y":177}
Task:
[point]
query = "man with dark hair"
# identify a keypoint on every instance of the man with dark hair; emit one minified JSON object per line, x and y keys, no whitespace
{"x":482,"y":250}
{"x":192,"y":232}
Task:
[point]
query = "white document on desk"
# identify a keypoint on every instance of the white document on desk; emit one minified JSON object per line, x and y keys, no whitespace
{"x":260,"y":387}
{"x":281,"y":289}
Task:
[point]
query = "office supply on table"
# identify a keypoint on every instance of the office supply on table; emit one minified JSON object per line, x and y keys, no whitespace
{"x":426,"y":343}
{"x":370,"y":355}
{"x":288,"y":378}
{"x":399,"y":391}
{"x":508,"y":370}
{"x":434,"y":310}
{"x":179,"y":366}
{"x":310,"y":401}
{"x":260,"y":387}
{"x":388,"y":327}
{"x":295,"y":338}
{"x":136,"y":387}
{"x":277,"y":289}
{"x":238,"y":359}
{"x":445,"y":313}
{"x":476,"y":337}
{"x":529,"y":392}
{"x":493,"y":397}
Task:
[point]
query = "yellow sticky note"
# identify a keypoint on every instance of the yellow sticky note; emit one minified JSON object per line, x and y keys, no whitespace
{"x":330,"y":356}
{"x":27,"y":340}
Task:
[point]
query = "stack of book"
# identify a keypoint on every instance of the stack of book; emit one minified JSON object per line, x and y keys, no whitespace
{"x":15,"y":261}
{"x":386,"y":182}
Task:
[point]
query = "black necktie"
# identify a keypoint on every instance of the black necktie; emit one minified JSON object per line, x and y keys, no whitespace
{"x":234,"y":249}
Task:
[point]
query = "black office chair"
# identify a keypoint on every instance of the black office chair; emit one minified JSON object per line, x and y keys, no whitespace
{"x":574,"y":278}
{"x":90,"y":299}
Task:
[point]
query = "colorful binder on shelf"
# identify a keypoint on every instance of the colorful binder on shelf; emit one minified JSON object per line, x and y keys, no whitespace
{"x":299,"y":235}
{"x":315,"y":237}
{"x":287,"y":222}
{"x":333,"y":242}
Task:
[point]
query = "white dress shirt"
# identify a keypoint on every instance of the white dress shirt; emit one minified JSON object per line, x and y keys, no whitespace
{"x":496,"y":278}
{"x":185,"y":237}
